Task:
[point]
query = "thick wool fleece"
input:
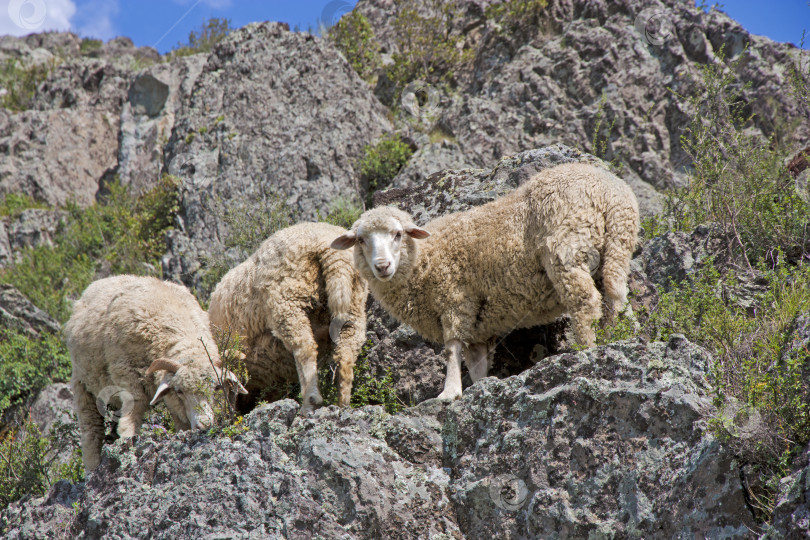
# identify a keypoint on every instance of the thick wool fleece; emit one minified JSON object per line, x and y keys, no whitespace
{"x":519,"y":261}
{"x":119,"y":326}
{"x":282,"y":300}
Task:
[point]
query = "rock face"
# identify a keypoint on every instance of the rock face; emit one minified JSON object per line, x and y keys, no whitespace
{"x":609,"y":442}
{"x":18,"y":313}
{"x":525,"y":90}
{"x":262,"y":122}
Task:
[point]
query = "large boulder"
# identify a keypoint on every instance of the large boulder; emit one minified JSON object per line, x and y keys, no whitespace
{"x":18,"y":313}
{"x":273,"y":113}
{"x":611,"y":442}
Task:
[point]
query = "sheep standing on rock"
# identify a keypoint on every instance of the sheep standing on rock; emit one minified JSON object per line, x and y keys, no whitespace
{"x":285,"y":302}
{"x":516,"y":262}
{"x":142,"y":340}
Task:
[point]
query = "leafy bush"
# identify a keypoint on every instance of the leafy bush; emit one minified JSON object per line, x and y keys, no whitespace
{"x":21,"y":82}
{"x":248,"y":225}
{"x":89,"y":45}
{"x":353,"y":36}
{"x":123,"y":233}
{"x":28,"y":464}
{"x":738,"y":180}
{"x":366,"y":389}
{"x":27,"y":365}
{"x":516,"y":16}
{"x":427,"y":47}
{"x":13,"y":204}
{"x":343,"y":213}
{"x":204,"y":38}
{"x":382,"y":161}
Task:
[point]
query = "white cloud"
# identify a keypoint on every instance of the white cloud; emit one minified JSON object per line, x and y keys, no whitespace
{"x":23,"y":17}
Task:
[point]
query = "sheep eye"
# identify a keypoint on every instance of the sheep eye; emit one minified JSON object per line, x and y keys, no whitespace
{"x":398,"y":236}
{"x":178,"y":391}
{"x":361,"y":241}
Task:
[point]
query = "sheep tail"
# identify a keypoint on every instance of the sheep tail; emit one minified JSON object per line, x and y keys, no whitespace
{"x":621,"y":234}
{"x":341,"y":281}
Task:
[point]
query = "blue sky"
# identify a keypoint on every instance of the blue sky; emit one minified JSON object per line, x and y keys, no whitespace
{"x":164,"y":23}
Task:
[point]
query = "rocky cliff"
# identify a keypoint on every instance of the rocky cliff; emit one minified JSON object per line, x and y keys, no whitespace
{"x":612,"y":442}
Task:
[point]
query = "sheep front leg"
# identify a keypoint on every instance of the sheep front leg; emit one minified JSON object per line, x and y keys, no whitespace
{"x":452,"y":383}
{"x":91,"y":425}
{"x":131,"y":418}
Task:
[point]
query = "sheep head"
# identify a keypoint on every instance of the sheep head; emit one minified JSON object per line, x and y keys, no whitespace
{"x":383,"y":241}
{"x":194,"y":387}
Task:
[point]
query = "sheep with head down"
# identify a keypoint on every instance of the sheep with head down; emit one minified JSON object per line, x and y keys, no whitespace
{"x":519,"y":261}
{"x":141,"y":340}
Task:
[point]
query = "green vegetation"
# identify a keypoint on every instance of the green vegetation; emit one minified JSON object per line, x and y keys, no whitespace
{"x":760,"y":374}
{"x":343,"y":213}
{"x":13,"y":204}
{"x":382,"y":161}
{"x":123,"y":234}
{"x":516,"y":16}
{"x":204,"y":38}
{"x":28,"y":464}
{"x":21,"y":82}
{"x":89,"y":45}
{"x":353,"y":36}
{"x":27,"y":364}
{"x":366,"y":389}
{"x":248,"y":225}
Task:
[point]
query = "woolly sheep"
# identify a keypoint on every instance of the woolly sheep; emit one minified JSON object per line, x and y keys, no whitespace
{"x":516,"y":262}
{"x":144,"y":337}
{"x":285,"y":301}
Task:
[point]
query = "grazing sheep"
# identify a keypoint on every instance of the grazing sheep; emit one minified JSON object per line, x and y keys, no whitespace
{"x":516,"y":262}
{"x":277,"y":302}
{"x":142,"y":340}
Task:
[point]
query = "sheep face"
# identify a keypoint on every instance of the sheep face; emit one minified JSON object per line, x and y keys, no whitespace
{"x":380,"y":239}
{"x":194,"y":388}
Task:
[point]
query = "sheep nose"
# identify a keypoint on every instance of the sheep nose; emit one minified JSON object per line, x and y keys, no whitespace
{"x":382,"y":267}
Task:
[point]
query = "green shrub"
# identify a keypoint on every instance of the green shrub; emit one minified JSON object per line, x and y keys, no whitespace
{"x":27,"y":365}
{"x":89,"y":45}
{"x":353,"y":36}
{"x":738,"y":180}
{"x":382,"y":161}
{"x":516,"y":16}
{"x":13,"y":204}
{"x":204,"y":38}
{"x":427,"y":48}
{"x":123,"y":233}
{"x":343,"y":213}
{"x":366,"y":389}
{"x":28,"y":460}
{"x":21,"y":83}
{"x":248,"y":225}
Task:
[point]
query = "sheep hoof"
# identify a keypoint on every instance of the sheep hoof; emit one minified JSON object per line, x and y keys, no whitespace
{"x":449,"y":395}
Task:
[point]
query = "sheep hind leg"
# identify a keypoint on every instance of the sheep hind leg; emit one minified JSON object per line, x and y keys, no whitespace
{"x":452,"y":382}
{"x":296,"y":335}
{"x":579,"y":295}
{"x":349,"y":344}
{"x":91,"y":426}
{"x":476,"y":357}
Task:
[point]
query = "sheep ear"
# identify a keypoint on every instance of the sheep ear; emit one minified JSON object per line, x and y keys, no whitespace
{"x":415,"y":232}
{"x":345,"y":240}
{"x":163,"y":388}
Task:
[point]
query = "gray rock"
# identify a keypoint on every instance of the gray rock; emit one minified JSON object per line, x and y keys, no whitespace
{"x":54,"y":403}
{"x":34,"y":227}
{"x":18,"y":313}
{"x":273,"y":112}
{"x":610,"y":442}
{"x":430,"y":159}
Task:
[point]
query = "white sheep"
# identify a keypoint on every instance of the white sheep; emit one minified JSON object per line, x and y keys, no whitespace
{"x":284,"y":302}
{"x":519,"y":261}
{"x":142,"y":340}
